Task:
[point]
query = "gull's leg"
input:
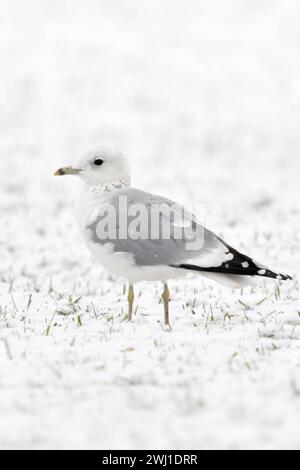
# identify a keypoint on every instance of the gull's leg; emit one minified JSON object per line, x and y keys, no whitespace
{"x":166,"y":300}
{"x":130,"y":301}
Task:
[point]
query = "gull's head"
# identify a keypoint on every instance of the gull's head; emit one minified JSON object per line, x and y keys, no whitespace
{"x":102,"y":165}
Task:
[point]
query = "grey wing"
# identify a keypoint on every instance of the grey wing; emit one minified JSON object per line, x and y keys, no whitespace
{"x":159,"y":232}
{"x":171,"y":236}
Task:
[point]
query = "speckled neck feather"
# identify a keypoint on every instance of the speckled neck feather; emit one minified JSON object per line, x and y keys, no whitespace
{"x":119,"y":184}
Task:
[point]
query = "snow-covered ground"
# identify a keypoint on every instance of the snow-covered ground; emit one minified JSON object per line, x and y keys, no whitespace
{"x":205,"y":98}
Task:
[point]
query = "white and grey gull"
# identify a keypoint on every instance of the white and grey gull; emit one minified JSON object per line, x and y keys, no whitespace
{"x":135,"y":257}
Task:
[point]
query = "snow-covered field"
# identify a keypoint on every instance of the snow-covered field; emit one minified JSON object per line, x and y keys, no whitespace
{"x":205,"y":98}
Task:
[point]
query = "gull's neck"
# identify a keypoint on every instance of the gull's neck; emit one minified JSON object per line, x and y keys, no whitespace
{"x":107,"y":187}
{"x":93,"y":193}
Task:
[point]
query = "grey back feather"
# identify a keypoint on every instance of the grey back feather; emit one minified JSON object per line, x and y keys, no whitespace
{"x":174,"y":250}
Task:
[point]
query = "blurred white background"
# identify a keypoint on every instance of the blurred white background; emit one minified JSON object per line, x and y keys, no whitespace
{"x":204,"y":92}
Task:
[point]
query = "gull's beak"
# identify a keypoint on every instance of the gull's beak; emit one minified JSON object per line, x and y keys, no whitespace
{"x":67,"y":171}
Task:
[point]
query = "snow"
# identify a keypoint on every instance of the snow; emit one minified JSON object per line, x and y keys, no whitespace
{"x":204,"y":97}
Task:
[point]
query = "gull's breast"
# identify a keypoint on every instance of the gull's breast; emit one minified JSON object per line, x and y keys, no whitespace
{"x":106,"y":251}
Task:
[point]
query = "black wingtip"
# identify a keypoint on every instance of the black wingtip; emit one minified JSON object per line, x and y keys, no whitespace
{"x":284,"y":277}
{"x":234,"y":269}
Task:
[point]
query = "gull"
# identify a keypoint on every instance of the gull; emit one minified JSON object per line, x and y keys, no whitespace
{"x":140,"y":236}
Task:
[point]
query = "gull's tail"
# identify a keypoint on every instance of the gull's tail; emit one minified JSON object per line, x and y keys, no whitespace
{"x":253,"y":270}
{"x":237,"y":272}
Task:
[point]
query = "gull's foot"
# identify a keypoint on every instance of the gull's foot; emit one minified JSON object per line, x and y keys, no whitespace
{"x":128,"y":318}
{"x":167,"y":328}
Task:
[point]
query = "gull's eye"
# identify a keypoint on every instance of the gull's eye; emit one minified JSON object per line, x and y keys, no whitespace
{"x":98,"y":162}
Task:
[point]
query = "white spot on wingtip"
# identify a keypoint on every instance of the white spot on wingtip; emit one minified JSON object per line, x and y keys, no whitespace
{"x":245,"y":265}
{"x":261,"y":272}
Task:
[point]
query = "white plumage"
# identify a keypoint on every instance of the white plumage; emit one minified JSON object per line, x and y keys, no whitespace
{"x":124,"y":244}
